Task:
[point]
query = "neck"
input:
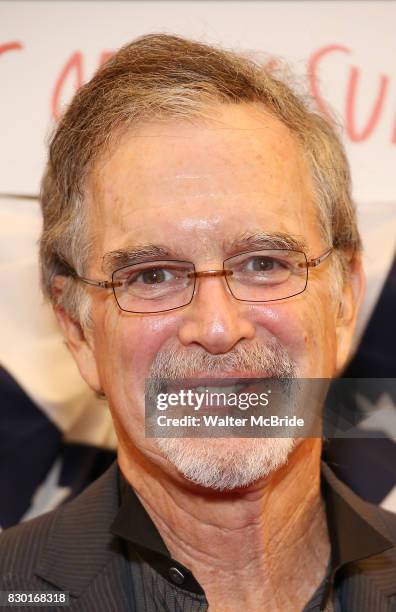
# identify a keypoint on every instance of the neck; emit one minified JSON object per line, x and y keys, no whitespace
{"x":271,"y":535}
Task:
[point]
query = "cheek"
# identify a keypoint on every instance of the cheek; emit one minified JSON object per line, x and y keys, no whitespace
{"x":126,"y":345}
{"x":286,"y":321}
{"x":322,"y":346}
{"x":305,"y":326}
{"x":321,"y":326}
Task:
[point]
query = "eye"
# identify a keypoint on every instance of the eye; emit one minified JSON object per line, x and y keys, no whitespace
{"x":152,"y":276}
{"x":264,"y":264}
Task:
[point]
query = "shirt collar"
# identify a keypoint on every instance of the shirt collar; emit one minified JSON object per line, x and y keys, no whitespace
{"x":134,"y":524}
{"x":356,"y":530}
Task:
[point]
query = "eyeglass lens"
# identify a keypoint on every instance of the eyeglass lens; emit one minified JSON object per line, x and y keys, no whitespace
{"x":256,"y":276}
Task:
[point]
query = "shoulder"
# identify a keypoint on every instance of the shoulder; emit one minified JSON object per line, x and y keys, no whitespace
{"x":370,"y":582}
{"x":384,"y":561}
{"x":21,"y":546}
{"x":29,"y":546}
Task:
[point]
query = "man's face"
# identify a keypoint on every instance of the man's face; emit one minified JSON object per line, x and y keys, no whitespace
{"x":199,"y":190}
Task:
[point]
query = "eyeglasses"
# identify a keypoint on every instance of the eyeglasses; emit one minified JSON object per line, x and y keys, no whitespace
{"x":266,"y":275}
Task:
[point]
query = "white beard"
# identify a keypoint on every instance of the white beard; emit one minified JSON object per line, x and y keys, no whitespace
{"x":226,"y":463}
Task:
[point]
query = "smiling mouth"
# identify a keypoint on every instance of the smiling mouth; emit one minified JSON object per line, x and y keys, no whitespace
{"x":220,"y":385}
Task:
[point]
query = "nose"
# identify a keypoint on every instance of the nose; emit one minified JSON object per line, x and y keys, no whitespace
{"x":215,"y":320}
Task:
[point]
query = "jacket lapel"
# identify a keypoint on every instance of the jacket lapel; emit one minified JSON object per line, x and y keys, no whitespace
{"x":81,"y":551}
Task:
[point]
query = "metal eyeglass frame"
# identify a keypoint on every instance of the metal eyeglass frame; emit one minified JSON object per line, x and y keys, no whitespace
{"x":105,"y":284}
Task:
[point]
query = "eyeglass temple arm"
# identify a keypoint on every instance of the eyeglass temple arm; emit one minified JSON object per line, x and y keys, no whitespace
{"x":88,"y":281}
{"x":101,"y":284}
{"x":312,"y":263}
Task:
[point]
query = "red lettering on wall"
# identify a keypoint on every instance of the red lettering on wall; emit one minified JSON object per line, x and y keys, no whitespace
{"x":73,"y":69}
{"x":313,"y":73}
{"x":104,"y":56}
{"x":393,"y":141}
{"x":11,"y":46}
{"x":73,"y":65}
{"x":353,"y":134}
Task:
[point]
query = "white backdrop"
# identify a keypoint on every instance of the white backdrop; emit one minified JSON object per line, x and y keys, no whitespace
{"x":344,"y":52}
{"x":349,"y":48}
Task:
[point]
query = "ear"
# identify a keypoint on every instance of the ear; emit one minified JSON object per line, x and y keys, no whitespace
{"x":78,"y":340}
{"x":351,"y":299}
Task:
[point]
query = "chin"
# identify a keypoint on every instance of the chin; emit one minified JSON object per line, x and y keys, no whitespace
{"x":225,"y":464}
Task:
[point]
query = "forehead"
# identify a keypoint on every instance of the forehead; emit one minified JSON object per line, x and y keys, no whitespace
{"x":193,"y":182}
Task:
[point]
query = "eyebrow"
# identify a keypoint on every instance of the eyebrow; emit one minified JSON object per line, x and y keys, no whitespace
{"x":244,"y":242}
{"x":263,"y":240}
{"x":134,"y":254}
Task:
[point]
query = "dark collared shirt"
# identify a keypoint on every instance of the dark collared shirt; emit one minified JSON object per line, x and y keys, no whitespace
{"x":163,"y":584}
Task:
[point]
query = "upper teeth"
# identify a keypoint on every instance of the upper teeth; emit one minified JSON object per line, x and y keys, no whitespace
{"x":229,"y":389}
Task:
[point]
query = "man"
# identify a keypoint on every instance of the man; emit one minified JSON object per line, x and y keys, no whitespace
{"x":182,"y":182}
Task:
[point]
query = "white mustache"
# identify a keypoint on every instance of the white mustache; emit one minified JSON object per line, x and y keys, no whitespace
{"x":270,"y":360}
